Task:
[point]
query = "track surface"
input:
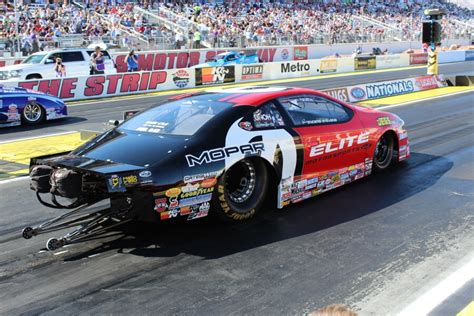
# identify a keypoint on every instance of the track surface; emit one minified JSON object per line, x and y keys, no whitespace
{"x":374,"y":244}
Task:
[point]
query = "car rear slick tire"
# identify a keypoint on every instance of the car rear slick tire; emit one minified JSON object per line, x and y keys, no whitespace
{"x":33,"y":114}
{"x":241,"y":190}
{"x":383,"y":155}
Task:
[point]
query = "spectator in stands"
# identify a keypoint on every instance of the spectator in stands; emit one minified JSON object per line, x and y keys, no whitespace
{"x":97,"y":62}
{"x":197,"y":39}
{"x":60,"y":68}
{"x":132,"y":61}
{"x":179,"y":39}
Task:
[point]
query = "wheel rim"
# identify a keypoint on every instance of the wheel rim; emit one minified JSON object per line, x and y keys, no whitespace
{"x":32,"y":112}
{"x":382,"y":152}
{"x":240,"y":182}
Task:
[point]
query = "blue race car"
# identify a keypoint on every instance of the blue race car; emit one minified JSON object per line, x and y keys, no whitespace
{"x":231,"y":58}
{"x":18,"y":105}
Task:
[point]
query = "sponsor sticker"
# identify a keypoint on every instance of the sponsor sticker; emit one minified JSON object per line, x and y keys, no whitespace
{"x":160,"y":205}
{"x":285,"y":54}
{"x":190,"y":188}
{"x":145,"y":174}
{"x":181,"y":78}
{"x":173,"y":192}
{"x":246,"y":126}
{"x":209,"y":183}
{"x":12,"y":113}
{"x":384,"y":121}
{"x":132,"y":179}
{"x":200,"y":177}
{"x":195,"y":200}
{"x":115,"y":184}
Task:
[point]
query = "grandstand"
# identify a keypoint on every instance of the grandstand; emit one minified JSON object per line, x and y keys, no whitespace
{"x":178,"y":24}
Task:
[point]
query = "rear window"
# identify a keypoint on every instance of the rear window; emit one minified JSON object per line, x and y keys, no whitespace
{"x":181,"y":117}
{"x":68,"y":57}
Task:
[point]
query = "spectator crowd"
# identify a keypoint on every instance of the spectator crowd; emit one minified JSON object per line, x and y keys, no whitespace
{"x":324,"y":21}
{"x":229,"y":23}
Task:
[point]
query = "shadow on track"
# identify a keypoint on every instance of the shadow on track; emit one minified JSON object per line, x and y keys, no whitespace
{"x":43,"y":125}
{"x":210,"y":239}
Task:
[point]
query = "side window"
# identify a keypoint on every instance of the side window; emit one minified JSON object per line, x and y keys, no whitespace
{"x":265,"y":116}
{"x":71,"y":57}
{"x":314,"y":110}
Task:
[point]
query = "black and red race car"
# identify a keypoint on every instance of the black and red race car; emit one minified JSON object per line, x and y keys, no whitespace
{"x":223,"y":152}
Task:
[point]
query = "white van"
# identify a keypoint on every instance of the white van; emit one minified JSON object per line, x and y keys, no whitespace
{"x":41,"y":65}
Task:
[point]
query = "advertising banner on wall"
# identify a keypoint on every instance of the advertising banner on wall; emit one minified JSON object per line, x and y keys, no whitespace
{"x":361,"y":63}
{"x":300,"y":53}
{"x":328,"y":65}
{"x":385,"y":88}
{"x":419,"y":59}
{"x":251,"y":72}
{"x":214,"y":75}
{"x":101,"y":86}
{"x":469,"y":55}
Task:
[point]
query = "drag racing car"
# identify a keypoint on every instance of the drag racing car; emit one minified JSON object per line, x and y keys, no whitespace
{"x":18,"y":105}
{"x":230,"y":58}
{"x":224,"y":152}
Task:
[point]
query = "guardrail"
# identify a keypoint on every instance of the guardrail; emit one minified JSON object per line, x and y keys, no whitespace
{"x":101,"y":86}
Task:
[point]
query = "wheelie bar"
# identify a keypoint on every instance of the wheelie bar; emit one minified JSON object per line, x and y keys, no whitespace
{"x":89,"y":225}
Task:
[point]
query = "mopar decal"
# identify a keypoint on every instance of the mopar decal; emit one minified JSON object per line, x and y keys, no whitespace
{"x":219,"y":154}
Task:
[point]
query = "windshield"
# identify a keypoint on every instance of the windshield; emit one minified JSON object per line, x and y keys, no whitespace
{"x":219,"y":57}
{"x":181,"y":117}
{"x":34,"y":59}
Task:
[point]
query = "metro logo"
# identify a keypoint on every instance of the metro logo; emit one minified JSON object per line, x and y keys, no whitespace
{"x":347,"y":142}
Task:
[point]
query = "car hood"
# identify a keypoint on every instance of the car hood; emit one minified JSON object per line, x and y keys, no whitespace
{"x":17,"y":67}
{"x":133,"y":148}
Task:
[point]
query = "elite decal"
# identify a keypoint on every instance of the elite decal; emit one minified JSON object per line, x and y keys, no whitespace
{"x":343,"y":143}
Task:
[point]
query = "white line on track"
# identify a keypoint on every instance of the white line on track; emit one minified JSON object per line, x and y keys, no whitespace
{"x":436,"y":295}
{"x":384,"y":107}
{"x":14,"y":180}
{"x":36,"y":137}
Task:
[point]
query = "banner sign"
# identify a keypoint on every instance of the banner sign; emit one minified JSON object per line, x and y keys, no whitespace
{"x":300,"y":53}
{"x":251,"y":72}
{"x":361,"y":63}
{"x":385,"y":88}
{"x":338,"y":93}
{"x":100,"y":86}
{"x":328,"y":66}
{"x":469,"y":55}
{"x":214,"y":75}
{"x":419,"y":59}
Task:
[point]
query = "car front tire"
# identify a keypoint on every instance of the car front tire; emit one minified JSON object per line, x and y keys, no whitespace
{"x":33,"y":114}
{"x":383,"y":155}
{"x":241,"y":191}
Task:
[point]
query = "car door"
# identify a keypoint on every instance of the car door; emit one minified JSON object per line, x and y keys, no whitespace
{"x":334,"y":140}
{"x":76,"y":64}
